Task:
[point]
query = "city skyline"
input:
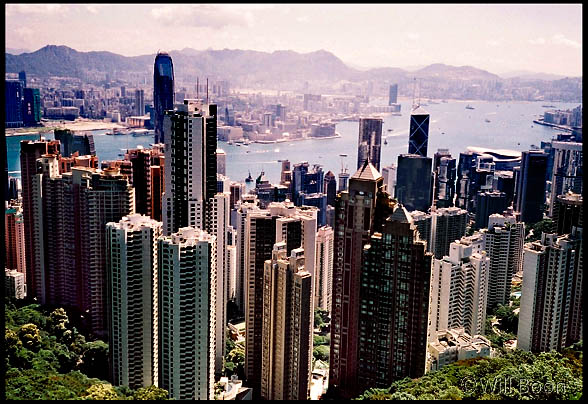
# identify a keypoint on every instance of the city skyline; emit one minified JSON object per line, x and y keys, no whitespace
{"x":508,"y":39}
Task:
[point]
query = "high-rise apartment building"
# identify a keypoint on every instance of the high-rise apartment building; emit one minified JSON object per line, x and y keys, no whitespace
{"x":133,"y":300}
{"x":389,"y":174}
{"x":423,"y":221}
{"x":14,"y":238}
{"x":393,"y":303}
{"x":287,"y":326}
{"x":414,"y":182}
{"x":163,"y":91}
{"x":30,"y":152}
{"x":221,"y":162}
{"x":503,"y":240}
{"x":369,"y":144}
{"x":296,"y":226}
{"x":459,"y":289}
{"x":447,"y":225}
{"x":187,"y":314}
{"x":14,"y":284}
{"x":418,"y":138}
{"x":325,"y":244}
{"x":71,"y":142}
{"x":530,"y":186}
{"x":444,"y":171}
{"x":489,"y":203}
{"x":551,"y":302}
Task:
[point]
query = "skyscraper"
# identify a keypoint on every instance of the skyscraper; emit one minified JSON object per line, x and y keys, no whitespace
{"x":13,"y":98}
{"x":71,"y":142}
{"x":31,"y":106}
{"x":567,"y":170}
{"x":447,"y":225}
{"x":393,"y":303}
{"x":330,"y":187}
{"x":413,"y":184}
{"x":530,"y":186}
{"x":221,"y":162}
{"x":14,"y":238}
{"x":369,"y":144}
{"x":163,"y":91}
{"x":187,"y":314}
{"x":488,"y":203}
{"x":503,"y":241}
{"x":567,"y":213}
{"x":287,"y":326}
{"x":551,"y":301}
{"x":444,"y":172}
{"x":393,"y":94}
{"x":418,"y":139}
{"x":389,"y":174}
{"x":356,"y":216}
{"x":140,"y":102}
{"x":133,"y":301}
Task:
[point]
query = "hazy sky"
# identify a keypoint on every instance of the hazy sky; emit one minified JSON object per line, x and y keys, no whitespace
{"x":499,"y":37}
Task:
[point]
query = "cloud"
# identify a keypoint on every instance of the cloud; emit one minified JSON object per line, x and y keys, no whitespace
{"x":202,"y":15}
{"x":48,"y":9}
{"x":538,"y":41}
{"x":560,"y":39}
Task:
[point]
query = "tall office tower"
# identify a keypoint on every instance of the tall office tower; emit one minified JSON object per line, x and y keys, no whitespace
{"x":530,"y":184}
{"x":71,"y":142}
{"x":231,"y":264}
{"x":286,"y":173}
{"x":133,"y":278}
{"x":221,"y":162}
{"x":141,"y":178}
{"x":567,"y":213}
{"x":504,"y":182}
{"x":358,"y":211}
{"x":14,"y":238}
{"x":12,"y":189}
{"x":551,"y":301}
{"x":157,"y":184}
{"x":418,"y":139}
{"x":13,"y":98}
{"x":488,"y":203}
{"x":424,"y":222}
{"x":459,"y":289}
{"x":389,"y":174}
{"x":190,"y":160}
{"x":123,"y":91}
{"x":306,"y":180}
{"x":567,"y":170}
{"x":447,"y":225}
{"x":393,"y":94}
{"x":14,"y":284}
{"x":323,"y":280}
{"x":369,"y":144}
{"x":330,"y":187}
{"x":296,"y":226}
{"x":413,"y":184}
{"x":239,"y":221}
{"x":163,"y":91}
{"x":29,"y":153}
{"x":393,"y":303}
{"x":343,"y":180}
{"x":237,"y":190}
{"x":139,"y":102}
{"x":320,"y":202}
{"x":444,"y":171}
{"x":22,"y":76}
{"x":187,"y":314}
{"x":503,"y":241}
{"x":31,"y":106}
{"x":287,"y":329}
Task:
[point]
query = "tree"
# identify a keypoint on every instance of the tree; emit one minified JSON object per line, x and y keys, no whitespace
{"x":321,"y":352}
{"x":101,"y":391}
{"x":30,"y":337}
{"x":95,"y":360}
{"x":151,"y":393}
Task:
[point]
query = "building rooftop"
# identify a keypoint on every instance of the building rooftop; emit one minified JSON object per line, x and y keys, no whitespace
{"x":367,"y":172}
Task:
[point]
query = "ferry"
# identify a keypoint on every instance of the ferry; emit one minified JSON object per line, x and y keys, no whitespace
{"x":142,"y":132}
{"x":469,"y":107}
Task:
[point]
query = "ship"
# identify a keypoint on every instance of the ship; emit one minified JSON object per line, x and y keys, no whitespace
{"x":487,"y":120}
{"x":469,"y":107}
{"x":385,"y":142}
{"x":390,"y":130}
{"x":250,"y":178}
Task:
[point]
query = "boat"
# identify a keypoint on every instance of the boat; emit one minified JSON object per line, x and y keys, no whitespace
{"x":390,"y":130}
{"x":142,"y":132}
{"x":249,"y":179}
{"x":247,"y":142}
{"x":487,"y":120}
{"x":238,"y":144}
{"x":385,"y":142}
{"x":231,"y":142}
{"x":442,"y":133}
{"x":548,"y":106}
{"x":469,"y":107}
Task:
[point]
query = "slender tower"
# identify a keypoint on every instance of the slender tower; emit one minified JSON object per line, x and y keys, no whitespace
{"x":163,"y":91}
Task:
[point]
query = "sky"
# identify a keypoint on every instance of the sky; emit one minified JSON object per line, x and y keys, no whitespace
{"x":500,"y":38}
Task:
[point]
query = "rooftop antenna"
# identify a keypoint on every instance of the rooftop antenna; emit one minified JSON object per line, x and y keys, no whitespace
{"x":413,"y":91}
{"x":420,"y":92}
{"x":197,"y":88}
{"x":207,"y":90}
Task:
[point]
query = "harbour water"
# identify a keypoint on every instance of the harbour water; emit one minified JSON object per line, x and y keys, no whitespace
{"x":452,"y":126}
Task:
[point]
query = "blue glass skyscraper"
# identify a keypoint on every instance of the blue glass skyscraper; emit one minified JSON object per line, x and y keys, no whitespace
{"x":163,"y":91}
{"x":418,"y":140}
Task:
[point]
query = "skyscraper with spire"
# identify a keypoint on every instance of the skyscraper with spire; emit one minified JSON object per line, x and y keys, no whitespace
{"x":163,"y":91}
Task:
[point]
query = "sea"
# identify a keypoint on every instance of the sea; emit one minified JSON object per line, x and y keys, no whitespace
{"x":496,"y":125}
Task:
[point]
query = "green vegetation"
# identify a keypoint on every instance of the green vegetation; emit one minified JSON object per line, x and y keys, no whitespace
{"x":514,"y":375}
{"x":544,"y":226}
{"x":321,"y":353}
{"x":321,"y":340}
{"x":49,"y":360}
{"x":234,"y":358}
